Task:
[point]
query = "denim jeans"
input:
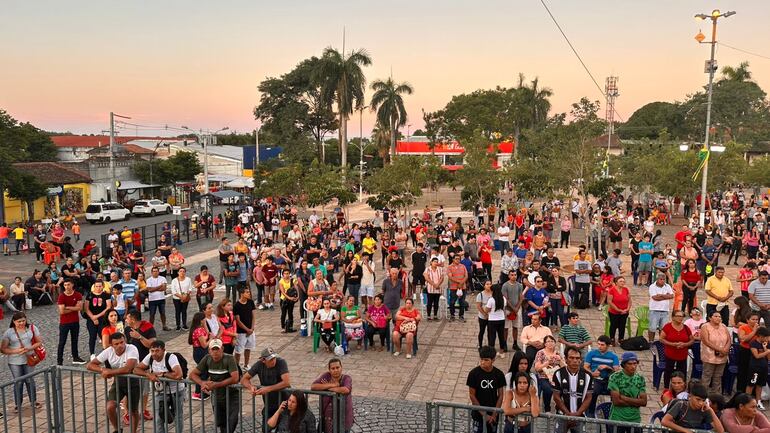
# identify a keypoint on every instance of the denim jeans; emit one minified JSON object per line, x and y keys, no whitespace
{"x":161,"y":426}
{"x":180,"y":313}
{"x":453,"y":298}
{"x":544,"y":385}
{"x":73,"y":329}
{"x":18,"y":370}
{"x":557,"y":313}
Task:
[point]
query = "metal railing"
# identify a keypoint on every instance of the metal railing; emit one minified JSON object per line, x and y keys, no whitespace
{"x":447,"y":417}
{"x":76,"y":401}
{"x":187,"y":231}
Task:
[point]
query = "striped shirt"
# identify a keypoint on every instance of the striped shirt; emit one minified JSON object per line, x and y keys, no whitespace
{"x":574,"y":334}
{"x":456,"y":272}
{"x":572,"y":388}
{"x":761,"y":292}
{"x":129,"y":288}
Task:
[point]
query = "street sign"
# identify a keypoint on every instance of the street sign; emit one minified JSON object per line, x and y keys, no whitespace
{"x":709,"y":66}
{"x":176,"y":210}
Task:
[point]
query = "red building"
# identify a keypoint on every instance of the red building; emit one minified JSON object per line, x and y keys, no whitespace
{"x":451,"y":154}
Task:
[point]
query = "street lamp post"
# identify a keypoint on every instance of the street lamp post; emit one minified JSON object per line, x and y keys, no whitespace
{"x":361,"y":157}
{"x":256,"y":154}
{"x":205,"y":141}
{"x":714,"y":16}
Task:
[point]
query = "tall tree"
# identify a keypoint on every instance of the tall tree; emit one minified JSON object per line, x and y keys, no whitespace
{"x":26,"y":188}
{"x":388,"y":102}
{"x":397,"y":185}
{"x":478,"y":177}
{"x":342,"y":82}
{"x":739,"y":73}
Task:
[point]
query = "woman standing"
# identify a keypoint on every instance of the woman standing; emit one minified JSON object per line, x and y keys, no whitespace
{"x":746,"y":275}
{"x":481,"y":301}
{"x":198,"y":338}
{"x":676,"y":339}
{"x":495,"y":309}
{"x":691,"y":281}
{"x":227,"y":325}
{"x":326,"y":319}
{"x":619,"y":302}
{"x":20,"y":341}
{"x":204,"y":287}
{"x":547,"y":361}
{"x":434,"y":281}
{"x":353,"y":275}
{"x":746,"y":333}
{"x":97,"y":303}
{"x":175,"y":262}
{"x":520,"y":398}
{"x":485,"y":255}
{"x":751,"y":241}
{"x":181,"y":288}
{"x":566,"y":228}
{"x":714,"y":347}
{"x":111,"y":326}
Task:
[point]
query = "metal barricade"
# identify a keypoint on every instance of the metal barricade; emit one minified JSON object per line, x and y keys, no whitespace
{"x":447,"y":417}
{"x":21,"y":415}
{"x":151,"y":234}
{"x":76,"y":401}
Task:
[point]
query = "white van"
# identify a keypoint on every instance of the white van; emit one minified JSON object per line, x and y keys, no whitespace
{"x":104,"y":212}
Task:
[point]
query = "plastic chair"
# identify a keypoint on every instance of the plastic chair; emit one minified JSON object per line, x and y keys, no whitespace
{"x":392,"y":346}
{"x":317,"y":335}
{"x":658,"y":363}
{"x":387,"y":336}
{"x":657,"y":416}
{"x":697,"y":364}
{"x":642,"y":315}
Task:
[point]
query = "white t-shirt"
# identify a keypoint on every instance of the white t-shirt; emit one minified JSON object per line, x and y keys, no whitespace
{"x":112,"y":239}
{"x":660,"y":305}
{"x":495,"y":314}
{"x":109,"y":355}
{"x":440,"y":257}
{"x":160,"y":367}
{"x":213,"y":325}
{"x":502,"y":233}
{"x":156,"y":282}
{"x":245,"y":217}
{"x":367,"y":278}
{"x":179,"y":287}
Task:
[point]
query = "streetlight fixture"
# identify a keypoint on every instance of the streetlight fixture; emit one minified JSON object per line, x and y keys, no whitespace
{"x":711,"y":68}
{"x":205,"y":140}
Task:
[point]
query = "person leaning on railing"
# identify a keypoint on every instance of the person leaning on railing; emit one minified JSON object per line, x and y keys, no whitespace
{"x":520,"y":398}
{"x":693,"y":413}
{"x":161,"y":364}
{"x":222,"y":372}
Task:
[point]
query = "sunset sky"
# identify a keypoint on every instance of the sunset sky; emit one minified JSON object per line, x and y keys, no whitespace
{"x":66,"y":65}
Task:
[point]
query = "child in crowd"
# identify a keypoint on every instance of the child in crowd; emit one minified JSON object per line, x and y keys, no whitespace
{"x":758,"y":365}
{"x":694,"y":322}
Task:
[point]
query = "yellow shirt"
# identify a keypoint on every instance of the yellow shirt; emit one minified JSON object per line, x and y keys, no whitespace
{"x":718,"y":287}
{"x":105,"y":284}
{"x":126,"y":236}
{"x":369,"y":244}
{"x":19,"y":233}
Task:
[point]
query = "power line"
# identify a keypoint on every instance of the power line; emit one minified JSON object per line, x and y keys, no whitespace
{"x":743,"y":51}
{"x":596,"y":83}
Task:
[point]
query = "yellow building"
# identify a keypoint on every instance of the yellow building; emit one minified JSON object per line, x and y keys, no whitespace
{"x":68,"y":192}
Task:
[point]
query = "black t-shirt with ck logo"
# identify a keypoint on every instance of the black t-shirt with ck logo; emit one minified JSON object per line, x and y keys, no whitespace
{"x":486,"y":384}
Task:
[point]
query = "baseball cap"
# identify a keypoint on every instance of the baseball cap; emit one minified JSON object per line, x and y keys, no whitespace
{"x":215,"y":343}
{"x":629,"y":356}
{"x":267,"y":354}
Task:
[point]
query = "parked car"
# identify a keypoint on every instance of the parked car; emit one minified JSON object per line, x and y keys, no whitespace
{"x":103,"y":212}
{"x":150,"y":207}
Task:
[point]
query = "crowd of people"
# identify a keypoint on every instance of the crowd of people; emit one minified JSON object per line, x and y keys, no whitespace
{"x":351,"y":282}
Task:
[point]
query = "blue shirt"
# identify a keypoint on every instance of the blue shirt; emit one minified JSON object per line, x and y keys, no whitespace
{"x":129,"y":288}
{"x":595,"y":358}
{"x":645,"y":246}
{"x":244,"y":271}
{"x":537,"y":296}
{"x":521,"y":253}
{"x":468,"y":263}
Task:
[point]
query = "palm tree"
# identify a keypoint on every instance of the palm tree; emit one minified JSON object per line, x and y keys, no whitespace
{"x":343,"y":83}
{"x":381,"y":140}
{"x":741,"y":73}
{"x":389,"y":104}
{"x":534,"y":101}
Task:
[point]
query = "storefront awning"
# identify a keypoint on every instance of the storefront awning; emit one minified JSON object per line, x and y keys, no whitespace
{"x":133,"y":184}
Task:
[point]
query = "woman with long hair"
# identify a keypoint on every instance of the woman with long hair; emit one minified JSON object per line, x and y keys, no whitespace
{"x":227,"y":324}
{"x":691,"y":281}
{"x":483,"y":317}
{"x":547,"y":361}
{"x":520,"y":364}
{"x":198,"y":338}
{"x":742,"y":416}
{"x":293,"y":416}
{"x":619,"y":303}
{"x":747,"y":332}
{"x":19,"y":341}
{"x":326,"y":318}
{"x":111,"y":326}
{"x":495,"y":309}
{"x":520,"y":398}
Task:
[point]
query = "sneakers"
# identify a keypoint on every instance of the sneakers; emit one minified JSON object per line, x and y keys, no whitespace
{"x":78,"y":361}
{"x":396,"y":353}
{"x":408,"y":356}
{"x":261,"y":307}
{"x":196,"y":396}
{"x":451,"y":318}
{"x":185,"y":328}
{"x":462,"y":319}
{"x":147,"y":415}
{"x":760,"y":406}
{"x":272,"y":307}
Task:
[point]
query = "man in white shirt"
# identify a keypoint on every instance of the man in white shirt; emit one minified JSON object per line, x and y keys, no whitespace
{"x":119,"y":359}
{"x":661,"y":295}
{"x":169,"y":396}
{"x":156,"y":287}
{"x":503,"y":233}
{"x":313,"y":218}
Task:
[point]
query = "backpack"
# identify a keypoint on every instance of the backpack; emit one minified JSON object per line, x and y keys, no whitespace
{"x":635,"y":344}
{"x":180,"y":358}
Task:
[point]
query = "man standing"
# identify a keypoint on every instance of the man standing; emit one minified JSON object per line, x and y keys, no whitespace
{"x":759,"y":293}
{"x":161,"y":364}
{"x":342,"y":384}
{"x":661,"y":295}
{"x":70,"y":304}
{"x":458,"y":277}
{"x":486,"y":386}
{"x":628,"y":392}
{"x":572,"y":390}
{"x":600,"y":363}
{"x":245,"y":312}
{"x":582,"y":280}
{"x":129,"y":290}
{"x":503,"y":233}
{"x":119,"y":359}
{"x":222,"y":372}
{"x":392,"y":288}
{"x":719,"y":290}
{"x":225,"y":251}
{"x":419,"y":262}
{"x":156,"y":286}
{"x":273,"y":374}
{"x":644,"y":266}
{"x":512,"y":293}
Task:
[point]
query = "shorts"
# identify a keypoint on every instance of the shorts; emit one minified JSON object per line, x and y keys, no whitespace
{"x":657,"y":319}
{"x":244,"y":342}
{"x":758,"y":376}
{"x":644,"y":266}
{"x":366,"y":290}
{"x":159,"y":305}
{"x":616,"y":238}
{"x":5,"y":241}
{"x":516,"y":323}
{"x":131,"y":393}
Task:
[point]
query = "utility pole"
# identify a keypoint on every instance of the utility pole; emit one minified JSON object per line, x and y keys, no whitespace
{"x":256,"y":153}
{"x":711,"y":69}
{"x":611,"y":92}
{"x":112,"y":158}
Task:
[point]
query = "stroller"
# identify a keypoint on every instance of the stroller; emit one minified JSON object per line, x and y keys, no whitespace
{"x":478,"y":278}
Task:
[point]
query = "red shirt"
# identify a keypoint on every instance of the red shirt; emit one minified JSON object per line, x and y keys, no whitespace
{"x":674,"y":336}
{"x":485,"y":254}
{"x":620,"y":297}
{"x":69,"y":301}
{"x":210,"y":283}
{"x":4,"y":232}
{"x":691,"y":277}
{"x":680,"y":237}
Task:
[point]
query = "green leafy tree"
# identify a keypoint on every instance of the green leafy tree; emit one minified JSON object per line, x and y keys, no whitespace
{"x":397,"y":185}
{"x":181,"y":166}
{"x":26,"y":188}
{"x":478,"y":177}
{"x":342,"y":82}
{"x":649,"y":120}
{"x":758,"y":173}
{"x":388,"y":103}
